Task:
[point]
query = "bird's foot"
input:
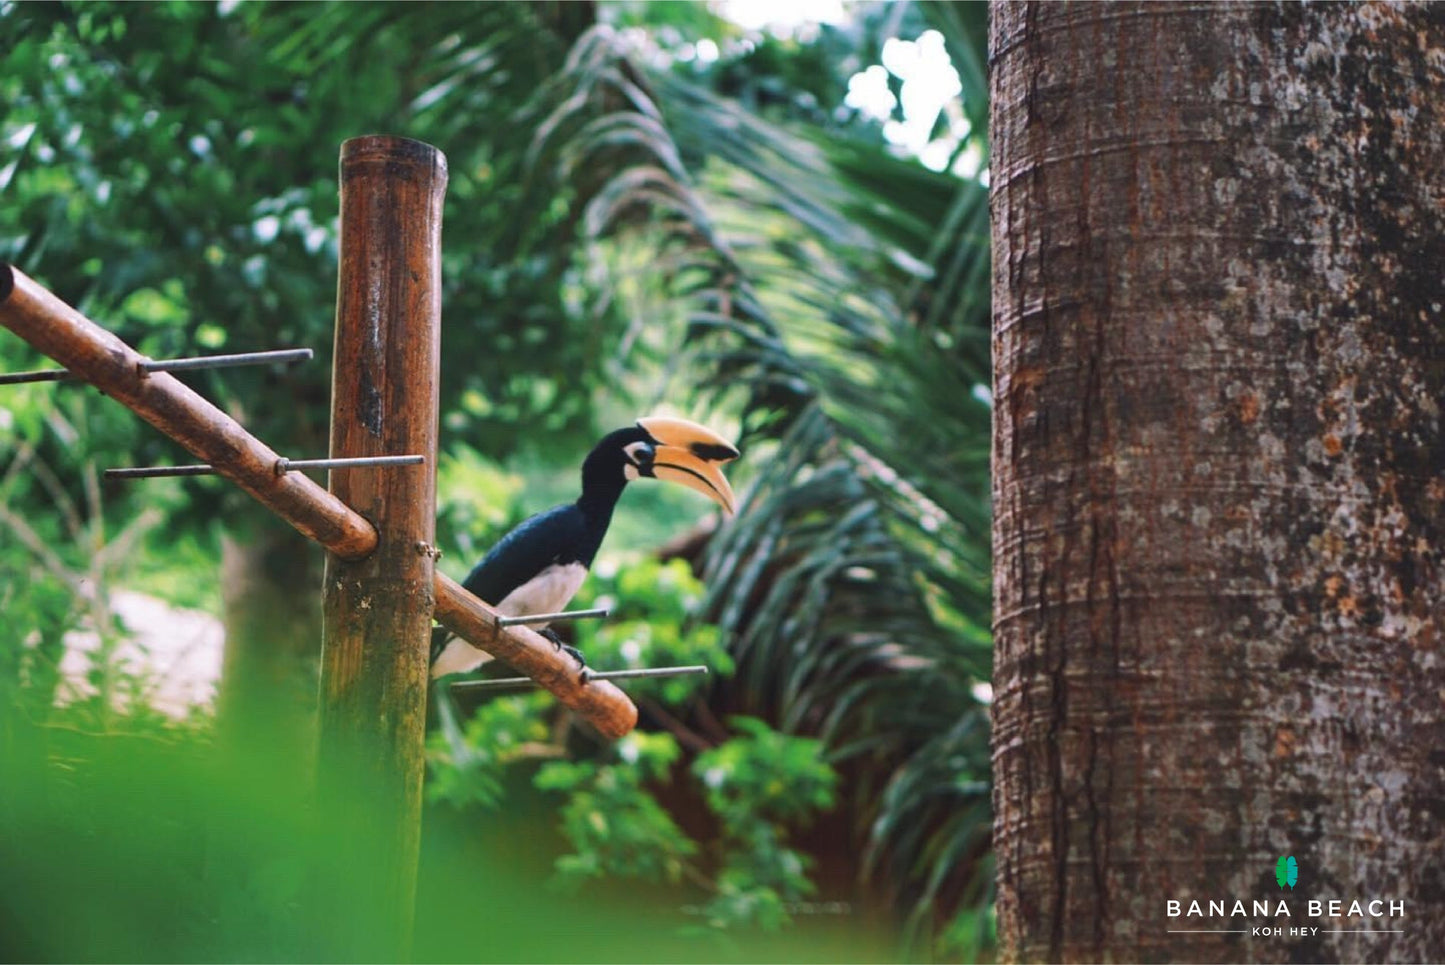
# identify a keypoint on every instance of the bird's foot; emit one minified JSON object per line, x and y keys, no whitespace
{"x":585,"y":674}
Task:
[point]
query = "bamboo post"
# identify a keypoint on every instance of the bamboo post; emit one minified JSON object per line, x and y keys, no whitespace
{"x":102,"y":359}
{"x":377,"y":611}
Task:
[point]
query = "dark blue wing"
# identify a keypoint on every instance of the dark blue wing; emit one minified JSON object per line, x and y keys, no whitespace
{"x":559,"y":535}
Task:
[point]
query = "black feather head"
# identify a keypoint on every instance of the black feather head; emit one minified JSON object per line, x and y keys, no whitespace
{"x":609,"y":459}
{"x":605,"y":470}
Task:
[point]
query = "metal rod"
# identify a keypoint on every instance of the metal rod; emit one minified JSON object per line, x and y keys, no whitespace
{"x":294,"y":465}
{"x":285,"y":356}
{"x":282,"y":466}
{"x":527,"y":683}
{"x":596,"y":614}
{"x":148,"y":472}
{"x":43,"y":375}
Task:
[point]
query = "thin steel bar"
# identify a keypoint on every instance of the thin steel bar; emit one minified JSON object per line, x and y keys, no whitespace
{"x":597,"y":614}
{"x":285,"y":356}
{"x":153,"y":472}
{"x":527,"y":683}
{"x":282,"y":356}
{"x":282,"y":466}
{"x":43,"y":375}
{"x":353,"y":462}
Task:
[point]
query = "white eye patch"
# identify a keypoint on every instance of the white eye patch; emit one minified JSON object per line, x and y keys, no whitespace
{"x":640,"y":454}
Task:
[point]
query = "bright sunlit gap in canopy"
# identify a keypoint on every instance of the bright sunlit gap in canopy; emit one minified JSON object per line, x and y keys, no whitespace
{"x":929,"y":84}
{"x":930,"y":87}
{"x":798,"y":19}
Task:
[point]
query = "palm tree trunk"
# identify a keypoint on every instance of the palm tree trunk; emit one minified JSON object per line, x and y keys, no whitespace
{"x":1219,"y":271}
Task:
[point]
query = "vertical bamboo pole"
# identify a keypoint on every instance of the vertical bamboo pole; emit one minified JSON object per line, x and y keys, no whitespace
{"x":378,"y":610}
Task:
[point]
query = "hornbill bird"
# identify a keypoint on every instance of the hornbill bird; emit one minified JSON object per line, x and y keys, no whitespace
{"x":537,"y":567}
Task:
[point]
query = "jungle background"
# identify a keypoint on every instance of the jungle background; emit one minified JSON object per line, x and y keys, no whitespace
{"x":775,"y":225}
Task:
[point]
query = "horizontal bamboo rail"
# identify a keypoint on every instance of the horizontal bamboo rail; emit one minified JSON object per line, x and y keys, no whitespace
{"x":102,"y":359}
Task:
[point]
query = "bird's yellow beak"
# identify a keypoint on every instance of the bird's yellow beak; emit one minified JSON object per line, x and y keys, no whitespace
{"x":693,"y":455}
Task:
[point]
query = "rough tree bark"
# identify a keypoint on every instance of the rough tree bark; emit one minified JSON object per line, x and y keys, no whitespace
{"x":1219,"y":245}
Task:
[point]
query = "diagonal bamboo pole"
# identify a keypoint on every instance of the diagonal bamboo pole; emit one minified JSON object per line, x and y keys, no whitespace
{"x":99,"y":357}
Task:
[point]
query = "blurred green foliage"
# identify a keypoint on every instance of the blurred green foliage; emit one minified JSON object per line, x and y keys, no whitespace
{"x":144,"y":847}
{"x":612,"y":824}
{"x":653,"y":604}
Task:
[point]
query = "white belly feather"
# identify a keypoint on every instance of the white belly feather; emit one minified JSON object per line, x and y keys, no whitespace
{"x":547,"y":592}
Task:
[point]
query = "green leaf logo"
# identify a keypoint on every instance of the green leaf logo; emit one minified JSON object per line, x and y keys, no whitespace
{"x":1286,"y":871}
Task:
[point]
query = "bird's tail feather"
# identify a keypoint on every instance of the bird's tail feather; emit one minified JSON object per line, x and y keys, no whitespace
{"x":451,"y":728}
{"x":439,"y":638}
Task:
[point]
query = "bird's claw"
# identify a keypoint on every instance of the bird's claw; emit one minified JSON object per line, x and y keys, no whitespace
{"x":583,"y":673}
{"x":557,"y":642}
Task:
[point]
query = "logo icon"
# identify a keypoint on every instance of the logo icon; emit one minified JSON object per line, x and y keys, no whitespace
{"x":1286,"y":871}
